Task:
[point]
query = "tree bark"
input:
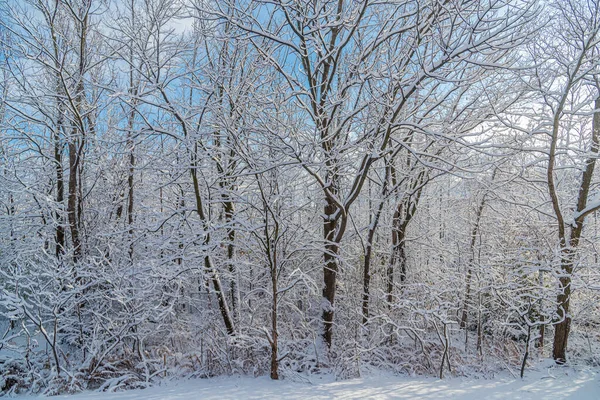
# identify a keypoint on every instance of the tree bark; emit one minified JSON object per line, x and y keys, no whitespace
{"x":60,"y":187}
{"x":229,"y":209}
{"x":274,"y":332}
{"x":133,"y":91}
{"x":330,"y":270}
{"x":72,"y":199}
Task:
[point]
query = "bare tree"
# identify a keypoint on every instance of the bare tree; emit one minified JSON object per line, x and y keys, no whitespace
{"x":569,"y":53}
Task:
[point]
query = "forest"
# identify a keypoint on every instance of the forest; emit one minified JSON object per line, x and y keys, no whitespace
{"x":201,"y":188}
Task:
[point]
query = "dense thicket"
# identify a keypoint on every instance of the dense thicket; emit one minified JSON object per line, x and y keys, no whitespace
{"x":197,"y":188}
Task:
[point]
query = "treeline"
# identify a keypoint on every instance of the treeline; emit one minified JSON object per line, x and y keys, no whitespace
{"x":198,"y":188}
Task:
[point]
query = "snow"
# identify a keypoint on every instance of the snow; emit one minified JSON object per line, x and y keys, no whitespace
{"x":544,"y":383}
{"x":591,"y":206}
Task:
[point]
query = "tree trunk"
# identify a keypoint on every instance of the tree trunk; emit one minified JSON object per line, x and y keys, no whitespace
{"x":465,"y":312}
{"x":398,"y":258}
{"x":60,"y":188}
{"x":274,"y":333}
{"x":131,"y":170}
{"x":72,"y":199}
{"x":367,"y":278}
{"x":223,"y":308}
{"x":229,"y":211}
{"x":399,"y":225}
{"x":208,"y":265}
{"x":130,"y":188}
{"x":526,"y":355}
{"x":369,"y":250}
{"x":561,"y":329}
{"x":330,"y":257}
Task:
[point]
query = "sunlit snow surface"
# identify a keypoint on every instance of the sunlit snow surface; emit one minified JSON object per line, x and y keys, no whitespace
{"x":543,"y":383}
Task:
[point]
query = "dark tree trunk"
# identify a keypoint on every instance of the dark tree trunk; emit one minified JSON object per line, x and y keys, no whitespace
{"x":465,"y":311}
{"x":130,"y":172}
{"x":223,"y":308}
{"x":402,"y":262}
{"x":398,"y":259}
{"x":133,"y":91}
{"x":330,"y":270}
{"x":229,"y":211}
{"x":72,"y":199}
{"x":562,"y":328}
{"x":526,"y":355}
{"x":60,"y":188}
{"x":274,"y":333}
{"x":389,"y":273}
{"x":367,"y":275}
{"x":130,"y":198}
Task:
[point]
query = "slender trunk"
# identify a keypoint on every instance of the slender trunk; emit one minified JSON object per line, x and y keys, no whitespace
{"x":398,"y":257}
{"x":80,"y":189}
{"x":524,"y":363}
{"x":223,"y":308}
{"x":330,"y":258}
{"x":130,"y":195}
{"x":367,"y":275}
{"x":133,"y":91}
{"x":60,"y":188}
{"x":474,"y":231}
{"x":270,"y":242}
{"x":72,"y":200}
{"x":479,"y":326}
{"x":229,"y":211}
{"x":11,"y":213}
{"x":402,"y":261}
{"x":54,"y":345}
{"x":389,"y":273}
{"x":208,"y":265}
{"x":446,"y":355}
{"x":274,"y":333}
{"x":465,"y":312}
{"x":131,"y":170}
{"x":369,"y":250}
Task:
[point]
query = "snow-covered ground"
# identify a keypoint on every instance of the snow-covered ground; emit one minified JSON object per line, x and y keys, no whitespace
{"x":542,"y":383}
